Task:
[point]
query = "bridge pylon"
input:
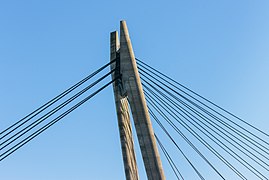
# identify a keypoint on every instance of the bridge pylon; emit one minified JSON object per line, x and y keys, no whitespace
{"x":128,"y":91}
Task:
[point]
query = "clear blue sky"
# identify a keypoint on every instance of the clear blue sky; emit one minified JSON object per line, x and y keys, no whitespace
{"x":217,"y":48}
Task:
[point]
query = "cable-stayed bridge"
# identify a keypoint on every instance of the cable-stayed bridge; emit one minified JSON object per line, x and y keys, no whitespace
{"x":149,"y":96}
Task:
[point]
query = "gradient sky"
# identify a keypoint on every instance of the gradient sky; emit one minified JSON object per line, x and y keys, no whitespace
{"x":220,"y":49}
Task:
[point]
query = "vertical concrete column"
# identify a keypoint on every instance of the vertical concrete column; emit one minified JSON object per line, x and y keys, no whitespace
{"x":125,"y":128}
{"x":132,"y":84}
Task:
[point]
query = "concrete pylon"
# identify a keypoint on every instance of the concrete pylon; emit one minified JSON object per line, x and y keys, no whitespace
{"x":121,"y":102}
{"x":131,"y":88}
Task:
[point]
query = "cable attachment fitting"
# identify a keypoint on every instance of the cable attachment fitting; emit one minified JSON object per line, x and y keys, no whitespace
{"x":118,"y":82}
